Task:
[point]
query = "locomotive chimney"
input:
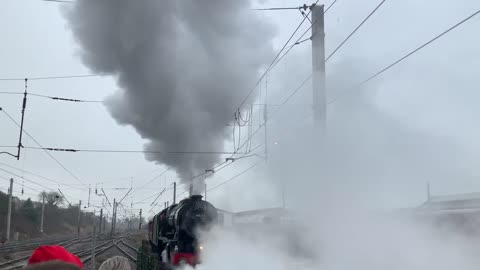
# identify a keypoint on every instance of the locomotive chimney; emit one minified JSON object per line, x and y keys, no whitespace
{"x":196,"y":197}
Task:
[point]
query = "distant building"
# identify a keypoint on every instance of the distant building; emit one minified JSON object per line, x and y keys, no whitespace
{"x":459,"y":212}
{"x":264,"y":216}
{"x":258,"y":216}
{"x":225,"y":218}
{"x":469,"y":202}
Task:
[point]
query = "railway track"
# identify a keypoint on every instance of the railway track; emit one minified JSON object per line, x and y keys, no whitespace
{"x":34,"y":240}
{"x":21,"y":261}
{"x":86,"y":254}
{"x":132,"y":249}
{"x":25,"y":246}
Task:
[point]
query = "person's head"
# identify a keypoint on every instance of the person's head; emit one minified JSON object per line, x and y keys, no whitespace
{"x":56,"y":265}
{"x":116,"y":263}
{"x":53,"y":253}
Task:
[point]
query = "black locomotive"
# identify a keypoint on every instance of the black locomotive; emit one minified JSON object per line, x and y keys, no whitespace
{"x":172,"y":232}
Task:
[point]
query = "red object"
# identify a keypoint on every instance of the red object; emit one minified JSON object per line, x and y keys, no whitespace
{"x":189,"y":258}
{"x":53,"y":253}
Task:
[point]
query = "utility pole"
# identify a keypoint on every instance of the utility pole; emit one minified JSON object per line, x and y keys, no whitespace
{"x":428,"y":192}
{"x":94,"y":238}
{"x":113,"y":218}
{"x":43,"y":212}
{"x":9,"y":215}
{"x":174,"y":192}
{"x":318,"y":68}
{"x":24,"y":105}
{"x":100,"y":221}
{"x":104,"y":222}
{"x":205,"y":191}
{"x":89,"y":191}
{"x":140,"y":222}
{"x":265,"y":118}
{"x":79,"y":217}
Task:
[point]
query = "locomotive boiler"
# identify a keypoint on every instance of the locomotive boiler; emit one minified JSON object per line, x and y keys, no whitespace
{"x":173,"y":231}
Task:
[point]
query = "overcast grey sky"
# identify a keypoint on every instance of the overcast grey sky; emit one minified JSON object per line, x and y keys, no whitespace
{"x":425,"y":107}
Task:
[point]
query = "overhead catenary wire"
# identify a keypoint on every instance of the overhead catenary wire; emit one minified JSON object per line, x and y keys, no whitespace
{"x":294,"y":92}
{"x":65,"y":99}
{"x":354,"y":31}
{"x":274,"y":60}
{"x":60,"y":1}
{"x":276,"y":8}
{"x":52,"y":157}
{"x":153,"y":179}
{"x":330,"y":6}
{"x":300,"y":40}
{"x":159,"y":194}
{"x":127,"y":151}
{"x":53,"y":77}
{"x":417,"y":49}
{"x":25,"y":186}
{"x":235,"y":176}
{"x":51,"y":97}
{"x":42,"y":177}
{"x":11,"y":93}
{"x":26,"y":179}
{"x":152,"y":196}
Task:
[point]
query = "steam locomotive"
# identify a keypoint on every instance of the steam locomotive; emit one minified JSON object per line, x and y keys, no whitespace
{"x":172,"y":232}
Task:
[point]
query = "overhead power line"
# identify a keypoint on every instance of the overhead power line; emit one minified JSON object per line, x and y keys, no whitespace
{"x":355,"y":30}
{"x":235,"y":176}
{"x":299,"y":41}
{"x":11,"y":93}
{"x":277,"y":8}
{"x":160,"y":194}
{"x":60,"y":1}
{"x":156,"y":194}
{"x":330,"y":6}
{"x":52,"y":157}
{"x":52,"y":77}
{"x":128,"y":151}
{"x":66,"y":99}
{"x":412,"y":52}
{"x":228,"y":161}
{"x":274,"y":60}
{"x":296,"y":91}
{"x":43,"y":177}
{"x":26,"y":179}
{"x":153,"y":179}
{"x":51,"y":97}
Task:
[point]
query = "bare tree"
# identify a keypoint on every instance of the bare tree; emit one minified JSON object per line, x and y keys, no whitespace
{"x":52,"y":198}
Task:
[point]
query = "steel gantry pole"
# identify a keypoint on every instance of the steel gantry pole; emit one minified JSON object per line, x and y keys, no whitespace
{"x":318,"y":66}
{"x":43,"y":212}
{"x":9,"y":214}
{"x":79,"y":217}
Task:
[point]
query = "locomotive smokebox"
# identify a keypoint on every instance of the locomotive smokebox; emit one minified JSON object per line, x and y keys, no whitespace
{"x":192,"y":214}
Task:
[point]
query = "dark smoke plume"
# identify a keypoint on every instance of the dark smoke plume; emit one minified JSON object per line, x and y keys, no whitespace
{"x":182,"y":66}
